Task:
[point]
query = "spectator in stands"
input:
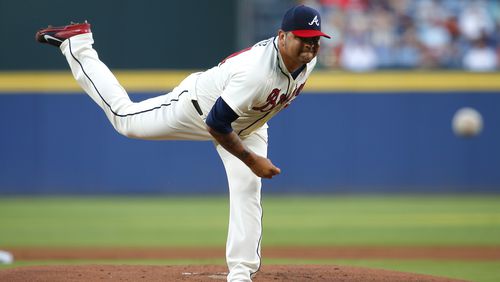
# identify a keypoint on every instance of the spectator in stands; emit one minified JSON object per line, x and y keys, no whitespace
{"x":411,"y":33}
{"x":480,"y":57}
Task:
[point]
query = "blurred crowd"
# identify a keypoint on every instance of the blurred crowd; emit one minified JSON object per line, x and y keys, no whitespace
{"x":410,"y":34}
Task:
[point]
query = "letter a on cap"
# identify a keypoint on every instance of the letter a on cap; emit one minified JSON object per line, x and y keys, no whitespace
{"x":314,"y":21}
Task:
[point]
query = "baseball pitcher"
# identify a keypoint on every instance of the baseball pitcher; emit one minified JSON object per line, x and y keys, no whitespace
{"x":229,"y":104}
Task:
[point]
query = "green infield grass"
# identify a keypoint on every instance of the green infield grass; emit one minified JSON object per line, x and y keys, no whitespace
{"x":288,"y":221}
{"x":332,"y":220}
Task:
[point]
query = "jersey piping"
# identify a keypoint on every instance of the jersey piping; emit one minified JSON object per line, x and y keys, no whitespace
{"x":241,"y":131}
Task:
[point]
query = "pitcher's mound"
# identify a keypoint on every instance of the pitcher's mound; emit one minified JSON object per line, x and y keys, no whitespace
{"x":77,"y":273}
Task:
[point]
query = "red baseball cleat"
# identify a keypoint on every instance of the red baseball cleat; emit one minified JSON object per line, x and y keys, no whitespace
{"x":56,"y":35}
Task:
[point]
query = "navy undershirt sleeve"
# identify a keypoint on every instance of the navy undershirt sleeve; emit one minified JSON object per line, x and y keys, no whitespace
{"x":221,"y":116}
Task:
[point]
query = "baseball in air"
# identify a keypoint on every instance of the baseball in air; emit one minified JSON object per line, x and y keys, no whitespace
{"x":467,"y":122}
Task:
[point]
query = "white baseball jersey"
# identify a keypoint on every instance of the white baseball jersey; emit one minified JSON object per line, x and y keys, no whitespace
{"x":254,"y":83}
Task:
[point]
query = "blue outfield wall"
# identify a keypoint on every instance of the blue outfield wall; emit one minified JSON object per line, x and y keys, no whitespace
{"x":339,"y":142}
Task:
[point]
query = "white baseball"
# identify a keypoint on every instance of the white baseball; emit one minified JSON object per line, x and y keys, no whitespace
{"x":467,"y":122}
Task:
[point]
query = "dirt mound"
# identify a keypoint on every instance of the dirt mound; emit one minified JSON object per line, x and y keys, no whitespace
{"x":80,"y":273}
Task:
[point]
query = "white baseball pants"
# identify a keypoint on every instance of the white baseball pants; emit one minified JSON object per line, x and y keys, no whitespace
{"x":173,"y":117}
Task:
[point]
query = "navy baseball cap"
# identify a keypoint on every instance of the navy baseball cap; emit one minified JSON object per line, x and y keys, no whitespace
{"x":303,"y":21}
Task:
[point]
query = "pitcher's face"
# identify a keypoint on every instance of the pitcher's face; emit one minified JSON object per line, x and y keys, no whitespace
{"x":299,"y":49}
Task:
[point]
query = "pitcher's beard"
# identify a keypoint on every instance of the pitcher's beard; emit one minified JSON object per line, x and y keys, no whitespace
{"x":307,"y":56}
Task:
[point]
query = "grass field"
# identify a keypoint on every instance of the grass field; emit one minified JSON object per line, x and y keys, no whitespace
{"x":288,"y":221}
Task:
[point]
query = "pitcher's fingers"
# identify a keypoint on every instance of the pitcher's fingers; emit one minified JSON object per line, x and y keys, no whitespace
{"x":276,"y":170}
